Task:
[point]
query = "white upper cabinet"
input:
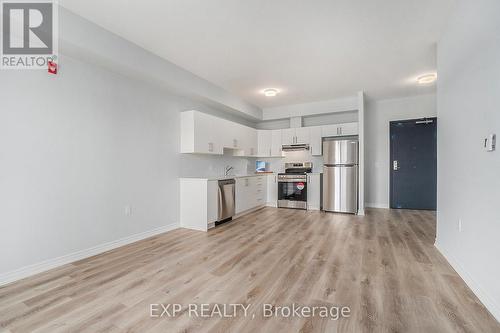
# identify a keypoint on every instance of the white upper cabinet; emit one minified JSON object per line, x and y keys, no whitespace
{"x":196,"y":134}
{"x":276,"y":143}
{"x":293,"y":136}
{"x":288,"y":136}
{"x":349,"y":129}
{"x":269,"y":143}
{"x":315,"y":140}
{"x":206,"y":134}
{"x":233,"y":133}
{"x":340,"y":129}
{"x":302,"y":135}
{"x":264,"y":142}
{"x":250,"y":142}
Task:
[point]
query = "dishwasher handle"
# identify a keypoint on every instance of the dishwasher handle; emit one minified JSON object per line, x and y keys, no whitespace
{"x":226,"y":199}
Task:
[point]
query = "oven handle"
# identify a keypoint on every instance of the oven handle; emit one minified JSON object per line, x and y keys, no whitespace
{"x":293,"y":181}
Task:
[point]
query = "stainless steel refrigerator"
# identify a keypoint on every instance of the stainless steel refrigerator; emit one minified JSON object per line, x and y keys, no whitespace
{"x":340,"y":175}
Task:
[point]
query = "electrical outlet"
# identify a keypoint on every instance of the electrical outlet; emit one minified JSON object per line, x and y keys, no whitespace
{"x":128,"y":210}
{"x":459,"y":225}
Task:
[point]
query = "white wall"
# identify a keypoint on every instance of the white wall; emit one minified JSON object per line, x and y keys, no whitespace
{"x":83,"y":40}
{"x":75,"y":149}
{"x":378,"y":115}
{"x":468,"y":177}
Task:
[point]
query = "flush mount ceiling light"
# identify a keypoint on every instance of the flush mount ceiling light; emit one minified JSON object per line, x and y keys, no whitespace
{"x":270,"y":92}
{"x":427,"y":78}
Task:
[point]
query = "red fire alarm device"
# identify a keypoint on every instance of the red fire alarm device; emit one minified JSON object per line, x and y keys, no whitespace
{"x":52,"y":67}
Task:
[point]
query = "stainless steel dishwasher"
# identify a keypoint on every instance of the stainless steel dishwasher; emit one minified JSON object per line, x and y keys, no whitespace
{"x":226,"y":200}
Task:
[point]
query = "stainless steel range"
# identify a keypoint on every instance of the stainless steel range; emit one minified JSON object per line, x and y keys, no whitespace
{"x":292,"y":185}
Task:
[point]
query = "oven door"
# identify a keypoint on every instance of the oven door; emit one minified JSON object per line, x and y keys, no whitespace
{"x":292,"y":194}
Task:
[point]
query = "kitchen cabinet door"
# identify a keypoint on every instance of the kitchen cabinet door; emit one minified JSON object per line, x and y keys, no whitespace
{"x":345,"y":129}
{"x":315,"y":140}
{"x":330,"y":130}
{"x":252,"y":189}
{"x":302,"y":135}
{"x":212,"y":201}
{"x":288,"y":136}
{"x":272,"y":190}
{"x":236,"y":135}
{"x":348,"y":129}
{"x":260,"y":190}
{"x":196,"y":133}
{"x":250,"y":141}
{"x":264,"y":138}
{"x":314,"y":191}
{"x":206,"y":140}
{"x":276,"y":143}
{"x":241,"y":194}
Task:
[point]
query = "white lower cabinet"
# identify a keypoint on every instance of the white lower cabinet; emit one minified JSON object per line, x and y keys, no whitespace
{"x":272,"y":190}
{"x":316,"y":141}
{"x":212,"y":201}
{"x":241,"y":194}
{"x":260,"y":187}
{"x":314,"y":191}
{"x":202,"y":194}
{"x":250,"y":192}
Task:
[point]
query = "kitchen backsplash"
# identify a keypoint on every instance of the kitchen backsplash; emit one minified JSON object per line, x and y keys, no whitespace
{"x":278,"y":164}
{"x":213,"y":165}
{"x":193,"y":165}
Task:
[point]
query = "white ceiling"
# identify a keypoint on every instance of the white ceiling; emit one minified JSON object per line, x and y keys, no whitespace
{"x":311,"y":50}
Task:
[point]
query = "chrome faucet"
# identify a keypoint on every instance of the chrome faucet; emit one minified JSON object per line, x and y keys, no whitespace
{"x":227,"y":169}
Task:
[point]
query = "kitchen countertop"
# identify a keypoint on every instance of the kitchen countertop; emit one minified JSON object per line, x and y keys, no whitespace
{"x":239,"y":176}
{"x":229,"y":176}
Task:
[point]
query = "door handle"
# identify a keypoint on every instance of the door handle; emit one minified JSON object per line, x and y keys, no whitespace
{"x":395,"y":165}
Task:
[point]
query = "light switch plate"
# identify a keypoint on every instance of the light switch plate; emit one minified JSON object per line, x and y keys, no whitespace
{"x":490,"y":142}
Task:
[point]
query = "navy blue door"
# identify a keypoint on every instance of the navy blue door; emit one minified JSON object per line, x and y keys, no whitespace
{"x":414,"y":163}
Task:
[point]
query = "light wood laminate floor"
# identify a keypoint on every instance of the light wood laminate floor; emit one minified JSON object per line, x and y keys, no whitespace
{"x":383,"y":266}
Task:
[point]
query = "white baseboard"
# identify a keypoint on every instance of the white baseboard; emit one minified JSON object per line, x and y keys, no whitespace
{"x":377,"y":205}
{"x":478,"y":290}
{"x":272,"y":204}
{"x":46,"y":265}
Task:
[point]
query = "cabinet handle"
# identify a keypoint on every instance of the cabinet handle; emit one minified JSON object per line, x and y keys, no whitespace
{"x":270,"y":152}
{"x":235,"y":143}
{"x":210,"y":147}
